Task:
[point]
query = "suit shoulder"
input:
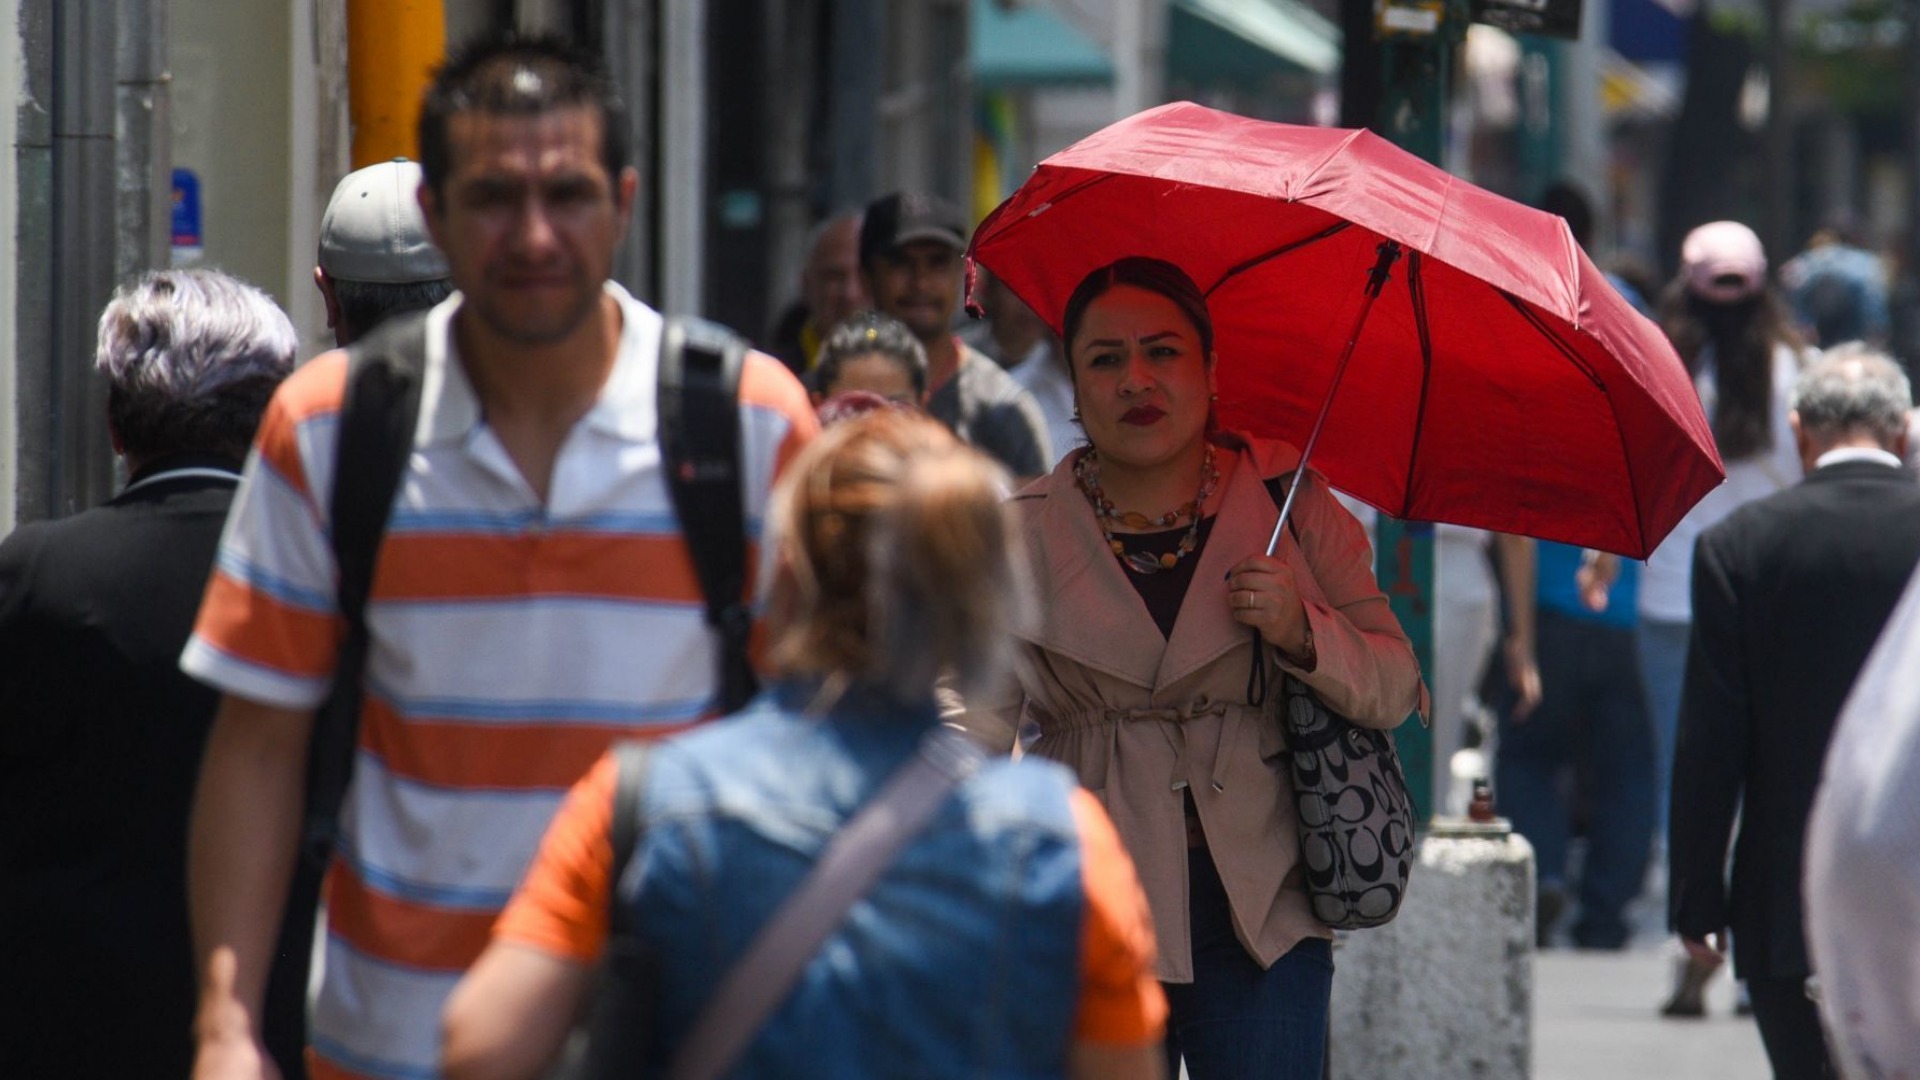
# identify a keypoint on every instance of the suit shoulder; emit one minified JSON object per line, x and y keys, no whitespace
{"x":34,"y":539}
{"x":49,"y":555}
{"x":1759,"y":515}
{"x":21,"y":548}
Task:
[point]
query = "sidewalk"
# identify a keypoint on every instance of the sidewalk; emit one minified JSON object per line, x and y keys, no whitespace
{"x":1596,"y":1017}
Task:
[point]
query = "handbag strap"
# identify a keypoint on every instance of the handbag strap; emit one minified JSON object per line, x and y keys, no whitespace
{"x":1277,"y":488}
{"x":853,"y":861}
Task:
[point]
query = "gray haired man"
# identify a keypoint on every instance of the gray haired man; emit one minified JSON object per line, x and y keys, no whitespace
{"x":376,"y":259}
{"x":1789,"y":593}
{"x":101,"y":743}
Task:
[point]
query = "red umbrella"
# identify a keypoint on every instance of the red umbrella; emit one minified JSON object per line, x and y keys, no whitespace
{"x":1497,"y":381}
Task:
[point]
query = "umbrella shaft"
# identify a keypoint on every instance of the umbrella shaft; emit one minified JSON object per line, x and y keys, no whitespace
{"x":1376,"y":281}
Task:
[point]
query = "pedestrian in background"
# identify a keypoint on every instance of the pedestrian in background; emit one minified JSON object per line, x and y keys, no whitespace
{"x":1732,"y":332}
{"x":831,"y":292}
{"x":102,"y":737}
{"x":376,"y":259}
{"x":1575,"y":748}
{"x":911,"y":257}
{"x":1568,"y":692}
{"x":1162,"y":612}
{"x":1837,"y":288}
{"x":874,"y":353}
{"x":1789,"y":593}
{"x":530,"y":600}
{"x":1031,"y":352}
{"x":1008,"y":937}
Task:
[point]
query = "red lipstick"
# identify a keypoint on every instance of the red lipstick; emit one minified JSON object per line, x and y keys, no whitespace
{"x":1142,"y":415}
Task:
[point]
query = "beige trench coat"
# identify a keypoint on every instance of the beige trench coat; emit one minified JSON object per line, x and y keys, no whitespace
{"x":1142,"y":718}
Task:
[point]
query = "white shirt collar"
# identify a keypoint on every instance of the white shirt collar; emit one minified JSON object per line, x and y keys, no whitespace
{"x":201,"y":472}
{"x":1856,"y":453}
{"x":450,"y":407}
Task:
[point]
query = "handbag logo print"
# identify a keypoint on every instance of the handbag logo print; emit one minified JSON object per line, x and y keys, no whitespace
{"x":1355,"y":816}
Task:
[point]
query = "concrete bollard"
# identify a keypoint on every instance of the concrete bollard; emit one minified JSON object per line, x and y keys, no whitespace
{"x":1446,"y":989}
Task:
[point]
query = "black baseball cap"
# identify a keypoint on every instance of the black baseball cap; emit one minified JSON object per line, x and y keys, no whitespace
{"x":906,"y":216}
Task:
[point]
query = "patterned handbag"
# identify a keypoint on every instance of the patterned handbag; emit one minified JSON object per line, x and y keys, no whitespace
{"x":1355,"y":816}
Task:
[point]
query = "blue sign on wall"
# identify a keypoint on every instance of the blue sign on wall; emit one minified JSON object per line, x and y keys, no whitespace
{"x":187,"y":239}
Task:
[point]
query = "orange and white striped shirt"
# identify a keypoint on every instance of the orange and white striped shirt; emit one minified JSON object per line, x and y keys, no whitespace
{"x":510,"y":642}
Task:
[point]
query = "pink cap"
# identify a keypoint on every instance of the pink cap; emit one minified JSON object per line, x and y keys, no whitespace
{"x":1724,"y":262}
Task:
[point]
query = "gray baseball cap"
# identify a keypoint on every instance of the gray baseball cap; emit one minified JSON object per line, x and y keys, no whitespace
{"x":373,"y":230}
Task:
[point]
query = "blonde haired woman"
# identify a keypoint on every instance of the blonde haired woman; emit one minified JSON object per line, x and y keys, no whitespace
{"x":1009,"y":937}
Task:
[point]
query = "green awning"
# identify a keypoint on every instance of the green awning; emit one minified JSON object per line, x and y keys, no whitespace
{"x":1029,"y":45}
{"x":1210,"y":40}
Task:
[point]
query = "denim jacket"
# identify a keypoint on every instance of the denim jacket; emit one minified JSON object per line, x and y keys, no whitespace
{"x":963,"y":960}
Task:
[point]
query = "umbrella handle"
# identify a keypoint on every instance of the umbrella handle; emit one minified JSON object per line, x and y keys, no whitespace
{"x":1376,"y":281}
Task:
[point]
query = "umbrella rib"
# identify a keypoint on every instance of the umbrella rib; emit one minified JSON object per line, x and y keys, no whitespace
{"x":1416,"y":289}
{"x":1565,"y":350}
{"x":1276,"y":253}
{"x":991,"y":227}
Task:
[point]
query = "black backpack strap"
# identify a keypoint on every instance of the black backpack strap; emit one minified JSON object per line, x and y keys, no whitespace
{"x":699,"y":414}
{"x":378,"y":413}
{"x":629,"y":785}
{"x":619,"y":1020}
{"x":375,"y":426}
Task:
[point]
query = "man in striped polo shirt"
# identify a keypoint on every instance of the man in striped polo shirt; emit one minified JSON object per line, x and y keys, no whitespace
{"x":533,"y":600}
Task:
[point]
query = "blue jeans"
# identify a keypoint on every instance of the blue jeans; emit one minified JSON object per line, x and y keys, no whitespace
{"x":1235,"y":1020}
{"x":1662,"y":647}
{"x":1591,"y":722}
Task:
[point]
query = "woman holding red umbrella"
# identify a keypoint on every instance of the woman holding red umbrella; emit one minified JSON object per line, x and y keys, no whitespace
{"x":1163,"y":623}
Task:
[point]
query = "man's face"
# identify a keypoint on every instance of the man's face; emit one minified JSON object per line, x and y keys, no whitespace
{"x":919,"y":284}
{"x":529,"y":219}
{"x":830,"y":282}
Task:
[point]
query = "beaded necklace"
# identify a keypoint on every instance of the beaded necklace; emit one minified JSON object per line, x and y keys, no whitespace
{"x":1086,"y":472}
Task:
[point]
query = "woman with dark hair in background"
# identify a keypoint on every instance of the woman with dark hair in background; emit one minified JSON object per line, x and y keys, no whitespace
{"x":1008,"y":937}
{"x":1161,"y":612}
{"x":873,"y":353}
{"x":1734,"y":335}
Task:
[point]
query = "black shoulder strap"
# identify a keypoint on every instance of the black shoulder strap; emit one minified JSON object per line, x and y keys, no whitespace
{"x":629,"y":784}
{"x":699,"y":415}
{"x":618,"y":1025}
{"x":377,"y":416}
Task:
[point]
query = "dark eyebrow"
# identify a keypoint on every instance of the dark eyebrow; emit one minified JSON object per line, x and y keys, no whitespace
{"x":492,"y":185}
{"x":571,"y":183}
{"x":1114,"y":343}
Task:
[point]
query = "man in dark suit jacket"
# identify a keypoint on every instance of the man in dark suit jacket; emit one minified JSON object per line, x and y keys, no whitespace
{"x":1789,"y":594}
{"x":100,"y":732}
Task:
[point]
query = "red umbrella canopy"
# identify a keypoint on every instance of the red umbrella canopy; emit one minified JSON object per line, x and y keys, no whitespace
{"x":1499,"y":380}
